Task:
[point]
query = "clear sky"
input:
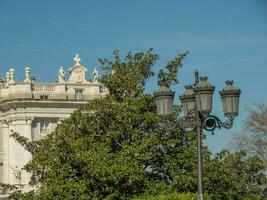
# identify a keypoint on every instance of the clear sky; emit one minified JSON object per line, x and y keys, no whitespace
{"x":226,"y":40}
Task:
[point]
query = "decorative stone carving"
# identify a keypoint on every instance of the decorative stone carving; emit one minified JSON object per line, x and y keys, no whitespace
{"x":77,"y":72}
{"x":61,"y":75}
{"x":95,"y":76}
{"x":11,"y":76}
{"x":27,"y":74}
{"x":2,"y":80}
{"x":8,"y":77}
{"x":77,"y":59}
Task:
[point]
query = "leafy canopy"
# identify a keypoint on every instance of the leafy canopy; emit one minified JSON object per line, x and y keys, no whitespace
{"x":127,"y":77}
{"x":253,"y":137}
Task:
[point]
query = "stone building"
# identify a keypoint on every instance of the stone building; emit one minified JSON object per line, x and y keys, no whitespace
{"x":34,"y":109}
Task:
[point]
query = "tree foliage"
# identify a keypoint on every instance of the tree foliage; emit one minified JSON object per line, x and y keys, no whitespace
{"x":253,"y":138}
{"x":127,"y":77}
{"x":235,"y":176}
{"x":119,"y":148}
{"x":116,"y":151}
{"x":172,"y":196}
{"x":172,"y":68}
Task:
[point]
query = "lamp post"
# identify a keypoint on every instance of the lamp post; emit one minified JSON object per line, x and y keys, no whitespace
{"x":197,"y":105}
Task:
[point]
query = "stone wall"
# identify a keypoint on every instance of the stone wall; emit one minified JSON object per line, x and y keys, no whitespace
{"x":1,"y":153}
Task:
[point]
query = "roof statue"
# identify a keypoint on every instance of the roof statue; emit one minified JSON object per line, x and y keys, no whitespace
{"x":27,"y":74}
{"x":77,"y":59}
{"x":7,"y":77}
{"x":11,"y":76}
{"x":61,"y":75}
{"x":95,"y":76}
{"x":77,"y":72}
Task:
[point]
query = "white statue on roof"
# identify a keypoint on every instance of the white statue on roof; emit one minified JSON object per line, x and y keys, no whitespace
{"x":11,"y":76}
{"x":27,"y":74}
{"x":77,"y":72}
{"x":61,"y":75}
{"x":7,"y":78}
{"x":95,"y":76}
{"x":77,"y":59}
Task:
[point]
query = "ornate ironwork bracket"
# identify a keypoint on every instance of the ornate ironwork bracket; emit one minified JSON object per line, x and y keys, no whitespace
{"x":212,"y":122}
{"x":207,"y":121}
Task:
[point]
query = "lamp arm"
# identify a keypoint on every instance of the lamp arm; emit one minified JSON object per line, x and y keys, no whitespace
{"x":207,"y":121}
{"x":212,"y":122}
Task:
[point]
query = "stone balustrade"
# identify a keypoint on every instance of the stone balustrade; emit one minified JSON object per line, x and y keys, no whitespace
{"x":43,"y":87}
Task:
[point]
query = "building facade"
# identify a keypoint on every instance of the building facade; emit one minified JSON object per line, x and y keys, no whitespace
{"x":34,"y":109}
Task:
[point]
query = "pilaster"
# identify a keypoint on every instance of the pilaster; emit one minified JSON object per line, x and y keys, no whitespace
{"x":16,"y":175}
{"x":5,"y":132}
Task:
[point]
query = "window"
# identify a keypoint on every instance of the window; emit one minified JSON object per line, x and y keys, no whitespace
{"x":78,"y":94}
{"x":44,"y":97}
{"x":44,"y":126}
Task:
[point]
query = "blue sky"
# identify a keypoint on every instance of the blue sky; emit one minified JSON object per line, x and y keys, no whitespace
{"x":226,"y":40}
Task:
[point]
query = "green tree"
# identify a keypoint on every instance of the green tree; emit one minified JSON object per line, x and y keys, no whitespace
{"x":119,"y":148}
{"x":235,"y":176}
{"x":116,"y":147}
{"x":253,"y":137}
{"x":172,"y":196}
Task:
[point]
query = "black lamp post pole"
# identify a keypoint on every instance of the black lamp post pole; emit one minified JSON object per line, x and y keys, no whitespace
{"x":199,"y":148}
{"x":199,"y":158}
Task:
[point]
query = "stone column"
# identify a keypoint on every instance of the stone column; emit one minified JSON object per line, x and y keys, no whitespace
{"x":18,"y":156}
{"x":6,"y":167}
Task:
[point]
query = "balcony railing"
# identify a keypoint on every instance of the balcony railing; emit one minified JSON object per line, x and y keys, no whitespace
{"x":44,"y":87}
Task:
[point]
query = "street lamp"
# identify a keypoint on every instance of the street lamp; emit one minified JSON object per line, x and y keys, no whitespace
{"x":197,"y":105}
{"x":164,"y":99}
{"x":188,"y":99}
{"x":230,"y":99}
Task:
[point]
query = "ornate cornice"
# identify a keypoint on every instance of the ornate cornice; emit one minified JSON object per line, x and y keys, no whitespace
{"x":14,"y":103}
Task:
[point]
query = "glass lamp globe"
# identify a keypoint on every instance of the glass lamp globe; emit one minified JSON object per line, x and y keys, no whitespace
{"x":164,"y":99}
{"x":230,"y":99}
{"x":204,"y":93}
